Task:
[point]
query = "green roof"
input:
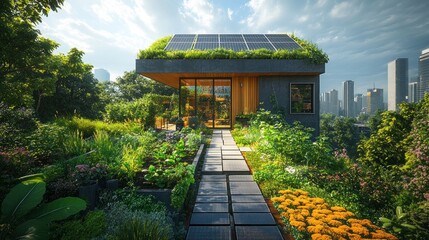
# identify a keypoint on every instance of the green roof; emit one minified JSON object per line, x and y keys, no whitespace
{"x":234,"y":46}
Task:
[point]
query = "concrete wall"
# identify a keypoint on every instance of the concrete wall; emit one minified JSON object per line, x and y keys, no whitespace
{"x":280,"y":87}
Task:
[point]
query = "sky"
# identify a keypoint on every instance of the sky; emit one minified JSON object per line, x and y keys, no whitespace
{"x":360,"y":36}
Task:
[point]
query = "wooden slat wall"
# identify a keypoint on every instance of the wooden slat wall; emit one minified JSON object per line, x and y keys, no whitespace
{"x":244,"y":99}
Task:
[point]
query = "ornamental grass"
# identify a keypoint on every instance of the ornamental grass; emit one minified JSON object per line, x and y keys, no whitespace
{"x":313,"y":218}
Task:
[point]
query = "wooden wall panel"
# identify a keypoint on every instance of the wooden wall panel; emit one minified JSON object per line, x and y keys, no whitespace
{"x":244,"y":95}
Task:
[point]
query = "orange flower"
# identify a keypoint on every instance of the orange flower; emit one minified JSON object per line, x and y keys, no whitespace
{"x":334,"y":223}
{"x":299,"y":217}
{"x":344,"y":228}
{"x":285,"y":191}
{"x":339,"y":231}
{"x":359,"y":229}
{"x":313,"y":221}
{"x":354,"y":236}
{"x":305,"y":212}
{"x":318,"y":236}
{"x":298,"y":225}
{"x":380,"y":234}
{"x":338,"y":209}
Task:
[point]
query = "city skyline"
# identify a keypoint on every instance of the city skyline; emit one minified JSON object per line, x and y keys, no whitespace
{"x":357,"y":35}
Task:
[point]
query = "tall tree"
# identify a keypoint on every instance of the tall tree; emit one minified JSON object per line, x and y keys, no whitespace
{"x":76,"y":90}
{"x":24,"y":54}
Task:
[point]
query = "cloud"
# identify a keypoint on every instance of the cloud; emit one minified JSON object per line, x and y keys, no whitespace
{"x":341,"y":10}
{"x":200,"y":11}
{"x":230,"y":12}
{"x":263,"y":13}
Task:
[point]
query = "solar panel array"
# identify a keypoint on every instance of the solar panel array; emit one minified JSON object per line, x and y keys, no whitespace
{"x":235,"y":42}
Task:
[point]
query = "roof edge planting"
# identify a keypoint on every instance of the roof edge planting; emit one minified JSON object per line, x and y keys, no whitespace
{"x":308,"y":51}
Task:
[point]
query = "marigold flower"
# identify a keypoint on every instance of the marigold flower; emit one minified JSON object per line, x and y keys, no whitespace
{"x":299,"y":217}
{"x":338,"y":209}
{"x":313,"y":221}
{"x":318,"y":200}
{"x":339,"y":231}
{"x":315,"y":229}
{"x":334,"y":223}
{"x":318,"y":215}
{"x":359,"y":229}
{"x":344,"y":228}
{"x":301,"y":192}
{"x":354,"y":236}
{"x":298,"y":225}
{"x":305,"y":212}
{"x":318,"y":236}
{"x":285,"y":191}
{"x":380,"y":234}
{"x":285,"y":214}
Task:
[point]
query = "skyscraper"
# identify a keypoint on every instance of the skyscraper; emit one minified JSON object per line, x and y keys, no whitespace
{"x":334,"y":105}
{"x":424,"y":73}
{"x":397,"y":83}
{"x":375,"y":100}
{"x":413,"y":92}
{"x":348,"y":93}
{"x":358,"y":103}
{"x":102,"y":75}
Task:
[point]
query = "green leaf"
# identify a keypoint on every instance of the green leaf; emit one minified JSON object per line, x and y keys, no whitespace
{"x":385,"y":220}
{"x":399,"y":211}
{"x":32,"y":229}
{"x":59,"y":209}
{"x":409,"y":226}
{"x":22,"y":198}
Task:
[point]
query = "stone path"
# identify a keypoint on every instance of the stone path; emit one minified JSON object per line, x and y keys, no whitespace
{"x":229,"y":203}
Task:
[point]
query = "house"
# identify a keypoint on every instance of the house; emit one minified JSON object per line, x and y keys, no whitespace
{"x":223,"y":75}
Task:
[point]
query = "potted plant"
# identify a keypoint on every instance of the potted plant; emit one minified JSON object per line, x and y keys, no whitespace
{"x":87,"y":178}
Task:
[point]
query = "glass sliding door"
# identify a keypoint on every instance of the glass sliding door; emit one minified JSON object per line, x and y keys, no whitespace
{"x":222,"y":103}
{"x":205,"y":101}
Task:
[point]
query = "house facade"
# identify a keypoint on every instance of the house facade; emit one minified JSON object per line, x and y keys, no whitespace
{"x":215,"y":90}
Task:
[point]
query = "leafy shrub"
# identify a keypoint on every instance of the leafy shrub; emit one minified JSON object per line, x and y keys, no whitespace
{"x":143,"y":111}
{"x":89,"y":227}
{"x":142,"y":229}
{"x":47,"y":142}
{"x":15,"y":125}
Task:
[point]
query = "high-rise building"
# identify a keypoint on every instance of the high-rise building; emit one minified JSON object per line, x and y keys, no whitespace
{"x":324,"y":102}
{"x":397,"y":83}
{"x":348,"y":94}
{"x":413,"y":92}
{"x":358,"y":103}
{"x":334,"y":105}
{"x":102,"y":75}
{"x":424,"y":73}
{"x":375,"y":100}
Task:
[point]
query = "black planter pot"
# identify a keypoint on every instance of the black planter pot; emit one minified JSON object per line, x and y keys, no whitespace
{"x":90,"y":194}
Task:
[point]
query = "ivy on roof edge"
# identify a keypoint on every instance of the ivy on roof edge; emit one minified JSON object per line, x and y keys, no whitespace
{"x":309,"y":51}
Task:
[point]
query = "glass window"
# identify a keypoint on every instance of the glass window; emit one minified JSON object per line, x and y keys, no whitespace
{"x":302,"y":98}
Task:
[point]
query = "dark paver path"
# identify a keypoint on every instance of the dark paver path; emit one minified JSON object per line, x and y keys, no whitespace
{"x":229,"y":204}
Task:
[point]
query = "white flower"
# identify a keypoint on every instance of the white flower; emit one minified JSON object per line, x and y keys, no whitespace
{"x":290,"y":169}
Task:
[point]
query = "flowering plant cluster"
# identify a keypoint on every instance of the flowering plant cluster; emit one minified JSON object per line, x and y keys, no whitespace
{"x":313,"y":217}
{"x":85,"y":174}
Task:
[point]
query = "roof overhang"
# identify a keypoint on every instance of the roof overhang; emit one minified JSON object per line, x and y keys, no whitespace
{"x":168,"y":71}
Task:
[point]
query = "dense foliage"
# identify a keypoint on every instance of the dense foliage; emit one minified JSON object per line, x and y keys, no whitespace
{"x":309,"y":51}
{"x":389,"y":171}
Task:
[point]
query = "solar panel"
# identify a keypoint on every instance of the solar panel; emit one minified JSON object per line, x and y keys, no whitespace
{"x":255,"y":38}
{"x":279,"y":38}
{"x":259,"y":45}
{"x":231,"y":38}
{"x":183,"y":38}
{"x":178,"y":46}
{"x":286,"y":45}
{"x":236,"y":42}
{"x":208,"y":38}
{"x":236,"y":46}
{"x":206,"y":45}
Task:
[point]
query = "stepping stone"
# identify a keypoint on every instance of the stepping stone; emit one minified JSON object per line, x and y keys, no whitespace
{"x":217,"y":131}
{"x":250,"y":207}
{"x":246,"y":149}
{"x":253,"y":219}
{"x":231,"y":153}
{"x":212,"y":188}
{"x":240,"y":178}
{"x":211,"y":207}
{"x":209,"y":232}
{"x":213,"y":155}
{"x":212,"y":168}
{"x":258,"y":232}
{"x":212,"y":199}
{"x":247,"y":199}
{"x":213,"y":178}
{"x":233,"y":157}
{"x":209,"y":219}
{"x":213,"y":161}
{"x":244,"y":188}
{"x":215,"y":145}
{"x":229,"y":148}
{"x":235,"y":166}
